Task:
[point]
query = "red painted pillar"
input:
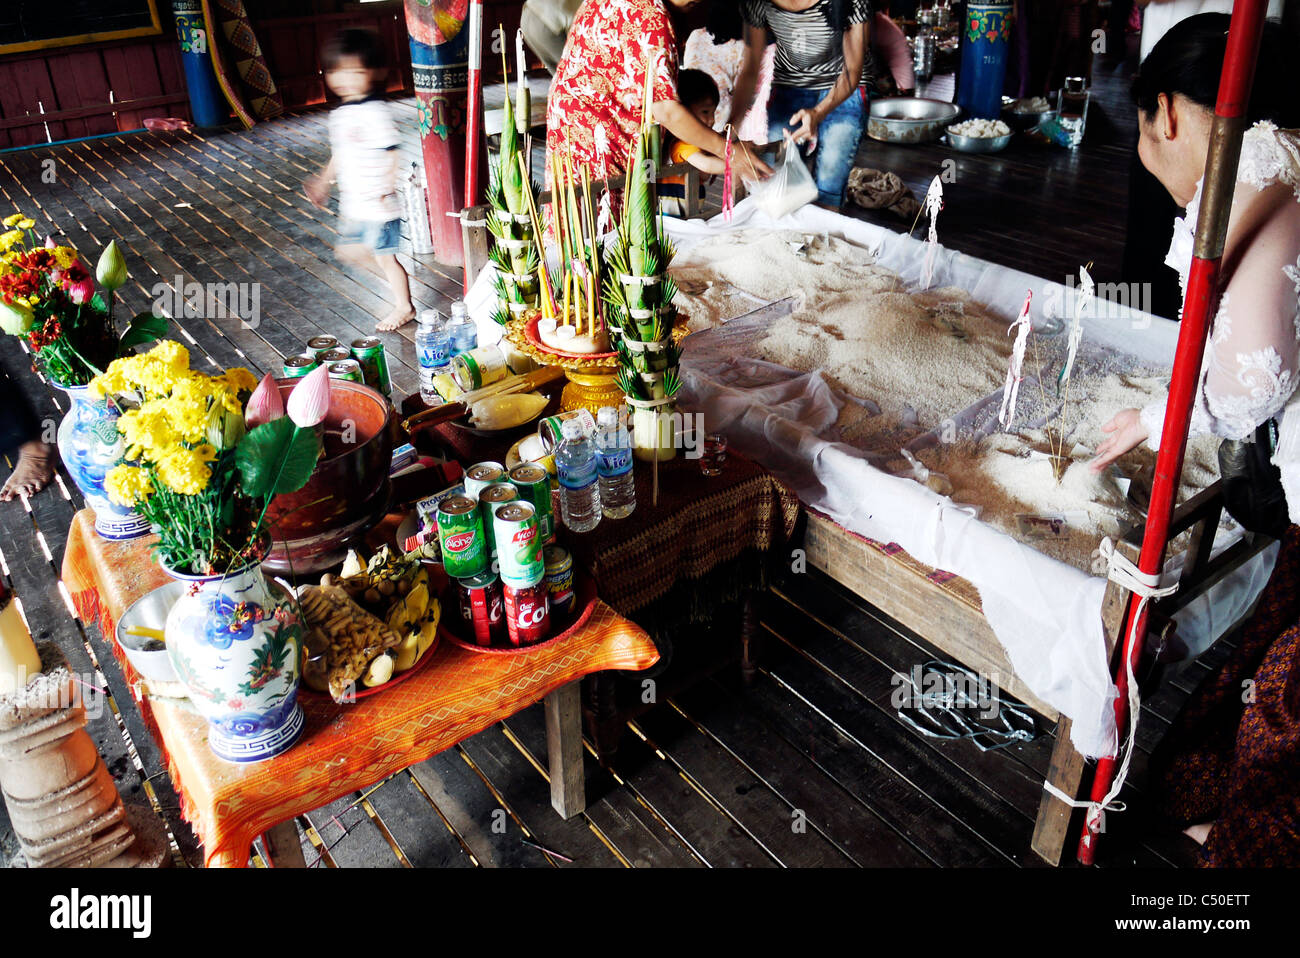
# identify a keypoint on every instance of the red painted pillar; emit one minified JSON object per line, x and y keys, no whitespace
{"x":439,"y":37}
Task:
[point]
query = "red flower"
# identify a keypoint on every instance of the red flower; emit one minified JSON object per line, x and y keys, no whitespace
{"x":79,"y":283}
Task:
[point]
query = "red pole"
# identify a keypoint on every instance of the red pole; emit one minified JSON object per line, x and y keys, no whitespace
{"x":1200,"y":306}
{"x":474,"y":107}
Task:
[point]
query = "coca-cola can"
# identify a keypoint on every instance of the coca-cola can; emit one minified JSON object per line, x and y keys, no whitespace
{"x":528,"y":613}
{"x":482,"y":607}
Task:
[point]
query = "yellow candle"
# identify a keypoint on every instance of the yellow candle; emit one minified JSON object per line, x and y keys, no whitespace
{"x":19,"y":662}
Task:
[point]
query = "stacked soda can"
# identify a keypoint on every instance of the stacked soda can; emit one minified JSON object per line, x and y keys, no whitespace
{"x":369,"y":353}
{"x":523,"y":572}
{"x":295,"y":367}
{"x":335,"y":354}
{"x":559,"y":578}
{"x":534,"y":486}
{"x":489,"y":497}
{"x":319,"y":345}
{"x":481,"y":475}
{"x":346,"y":369}
{"x":482,"y":607}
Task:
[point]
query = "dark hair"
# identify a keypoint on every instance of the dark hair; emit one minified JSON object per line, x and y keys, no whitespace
{"x":355,"y":42}
{"x":1189,"y":60}
{"x":696,"y":86}
{"x":724,"y":21}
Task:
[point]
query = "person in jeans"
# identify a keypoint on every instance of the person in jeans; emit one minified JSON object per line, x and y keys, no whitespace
{"x":815,"y":94}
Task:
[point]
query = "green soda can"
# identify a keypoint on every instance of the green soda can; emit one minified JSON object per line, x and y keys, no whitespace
{"x":346,"y":369}
{"x":534,"y":486}
{"x":460,"y":536}
{"x":519,"y":544}
{"x":369,"y":352}
{"x":295,"y":367}
{"x":336,"y":355}
{"x":321,"y":344}
{"x":489,"y":497}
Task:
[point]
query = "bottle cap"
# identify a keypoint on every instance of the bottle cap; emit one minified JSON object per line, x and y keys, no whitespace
{"x":458,"y":310}
{"x":607,"y":416}
{"x":428,"y":317}
{"x":571,"y":428}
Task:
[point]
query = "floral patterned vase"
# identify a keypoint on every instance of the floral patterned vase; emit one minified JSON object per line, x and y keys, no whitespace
{"x":237,"y":650}
{"x":90,"y":446}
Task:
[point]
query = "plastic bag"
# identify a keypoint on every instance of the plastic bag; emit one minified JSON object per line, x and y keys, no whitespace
{"x":789,"y":188}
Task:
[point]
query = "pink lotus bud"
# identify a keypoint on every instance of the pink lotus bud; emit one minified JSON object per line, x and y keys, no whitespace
{"x":265,"y":403}
{"x":80,"y":291}
{"x":49,"y":242}
{"x":310,"y":399}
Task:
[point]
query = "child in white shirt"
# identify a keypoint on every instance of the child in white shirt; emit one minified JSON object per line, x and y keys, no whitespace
{"x":364,"y":160}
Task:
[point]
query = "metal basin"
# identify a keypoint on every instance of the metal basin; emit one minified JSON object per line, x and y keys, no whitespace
{"x":910,"y":119}
{"x":978,"y":144}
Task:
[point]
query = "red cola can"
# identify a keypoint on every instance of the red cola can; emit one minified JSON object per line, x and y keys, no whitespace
{"x":482,"y":607}
{"x":528,"y":613}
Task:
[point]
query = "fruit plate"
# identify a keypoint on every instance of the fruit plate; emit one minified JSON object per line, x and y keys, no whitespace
{"x":451,"y":626}
{"x":398,"y":679}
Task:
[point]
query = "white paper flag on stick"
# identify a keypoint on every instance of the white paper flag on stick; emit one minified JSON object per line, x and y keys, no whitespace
{"x":1083,"y":301}
{"x":933,"y":203}
{"x":1011,"y":390}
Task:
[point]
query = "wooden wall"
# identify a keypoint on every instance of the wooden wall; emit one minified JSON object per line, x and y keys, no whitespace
{"x":146,"y":79}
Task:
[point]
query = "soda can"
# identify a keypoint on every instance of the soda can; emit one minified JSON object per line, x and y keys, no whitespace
{"x":338,"y":354}
{"x":295,"y":367}
{"x":519,"y":544}
{"x":559,"y":578}
{"x":369,"y":352}
{"x":460,"y":536}
{"x":479,"y":367}
{"x":347,"y":369}
{"x":482,"y":474}
{"x":482,"y":606}
{"x":548,"y":430}
{"x":528,"y":612}
{"x":321,"y":344}
{"x":534,"y":486}
{"x":491,"y":496}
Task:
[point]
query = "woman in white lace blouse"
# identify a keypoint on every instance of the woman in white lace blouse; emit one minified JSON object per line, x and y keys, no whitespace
{"x":1249,"y":377}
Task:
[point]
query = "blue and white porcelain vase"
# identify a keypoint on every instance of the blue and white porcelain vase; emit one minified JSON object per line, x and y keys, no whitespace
{"x":237,"y":650}
{"x":90,"y":446}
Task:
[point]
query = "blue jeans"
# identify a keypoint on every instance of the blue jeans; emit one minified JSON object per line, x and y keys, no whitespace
{"x":837,"y":137}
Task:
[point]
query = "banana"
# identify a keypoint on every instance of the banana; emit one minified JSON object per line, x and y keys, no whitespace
{"x":419,"y":640}
{"x":380,"y":671}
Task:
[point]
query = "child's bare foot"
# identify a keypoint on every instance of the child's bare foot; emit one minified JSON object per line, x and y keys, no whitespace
{"x":398,"y":318}
{"x":32,"y":472}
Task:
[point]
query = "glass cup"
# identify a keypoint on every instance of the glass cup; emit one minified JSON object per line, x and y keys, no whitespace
{"x":714,"y":455}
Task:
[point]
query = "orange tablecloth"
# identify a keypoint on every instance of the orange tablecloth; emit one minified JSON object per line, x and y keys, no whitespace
{"x":344,"y":748}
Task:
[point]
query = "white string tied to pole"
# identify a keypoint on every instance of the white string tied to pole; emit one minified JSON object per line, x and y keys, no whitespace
{"x":1146,"y":586}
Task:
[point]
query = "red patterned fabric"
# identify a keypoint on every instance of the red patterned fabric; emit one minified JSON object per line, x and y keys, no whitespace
{"x":1232,"y":757}
{"x":594,"y":106}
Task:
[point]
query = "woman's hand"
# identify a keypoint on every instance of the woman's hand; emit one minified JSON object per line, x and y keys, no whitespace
{"x":746,"y":161}
{"x":1126,"y":432}
{"x":806,"y":123}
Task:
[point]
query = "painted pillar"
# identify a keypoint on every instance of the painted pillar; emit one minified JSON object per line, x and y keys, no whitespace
{"x":440,"y":67}
{"x":205,"y":100}
{"x":984,"y":57}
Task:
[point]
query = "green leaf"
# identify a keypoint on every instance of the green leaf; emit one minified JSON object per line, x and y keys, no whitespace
{"x":144,"y":328}
{"x":276,"y":457}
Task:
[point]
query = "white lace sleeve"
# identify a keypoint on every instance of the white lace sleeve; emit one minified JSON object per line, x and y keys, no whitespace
{"x":1250,"y":368}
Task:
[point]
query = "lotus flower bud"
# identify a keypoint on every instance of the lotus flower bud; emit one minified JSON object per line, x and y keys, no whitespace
{"x":224,"y":428}
{"x":111,"y":269}
{"x":15,"y":318}
{"x":49,"y":242}
{"x":264,"y":404}
{"x":310,"y":400}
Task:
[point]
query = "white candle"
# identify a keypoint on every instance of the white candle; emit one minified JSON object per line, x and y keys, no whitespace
{"x":19,"y":661}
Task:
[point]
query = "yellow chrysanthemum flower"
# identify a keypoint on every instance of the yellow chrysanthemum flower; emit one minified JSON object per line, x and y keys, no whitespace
{"x":185,"y":471}
{"x":239,"y":379}
{"x":128,"y":485}
{"x":148,"y":432}
{"x":171,"y":354}
{"x":189,"y":417}
{"x":26,"y":223}
{"x":7,"y":240}
{"x":64,"y":256}
{"x":13,"y":218}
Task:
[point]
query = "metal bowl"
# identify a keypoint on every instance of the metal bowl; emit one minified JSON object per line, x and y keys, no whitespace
{"x":149,"y":656}
{"x":1019,"y":122}
{"x":977,"y":144}
{"x":909,"y":119}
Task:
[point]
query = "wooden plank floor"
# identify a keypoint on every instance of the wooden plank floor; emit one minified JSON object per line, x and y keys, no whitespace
{"x":808,"y":765}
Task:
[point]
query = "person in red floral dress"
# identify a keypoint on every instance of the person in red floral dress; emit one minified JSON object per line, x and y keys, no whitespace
{"x":594,"y":108}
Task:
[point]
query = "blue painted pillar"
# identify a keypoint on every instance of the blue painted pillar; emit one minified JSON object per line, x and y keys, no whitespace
{"x":205,"y":99}
{"x":984,"y":58}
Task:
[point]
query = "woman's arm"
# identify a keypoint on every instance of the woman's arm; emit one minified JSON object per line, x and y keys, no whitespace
{"x":806,"y":122}
{"x":681,"y":123}
{"x":742,"y":94}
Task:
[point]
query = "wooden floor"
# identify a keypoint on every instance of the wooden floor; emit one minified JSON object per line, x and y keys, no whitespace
{"x":807,"y":766}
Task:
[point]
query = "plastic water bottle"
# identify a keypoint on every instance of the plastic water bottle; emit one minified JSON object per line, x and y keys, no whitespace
{"x":614,"y":465}
{"x":463,"y":332}
{"x":433,"y":348}
{"x":575,"y":462}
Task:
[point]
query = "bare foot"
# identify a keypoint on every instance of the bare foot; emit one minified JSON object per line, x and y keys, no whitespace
{"x":32,"y":472}
{"x":1199,"y":833}
{"x":398,"y":318}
